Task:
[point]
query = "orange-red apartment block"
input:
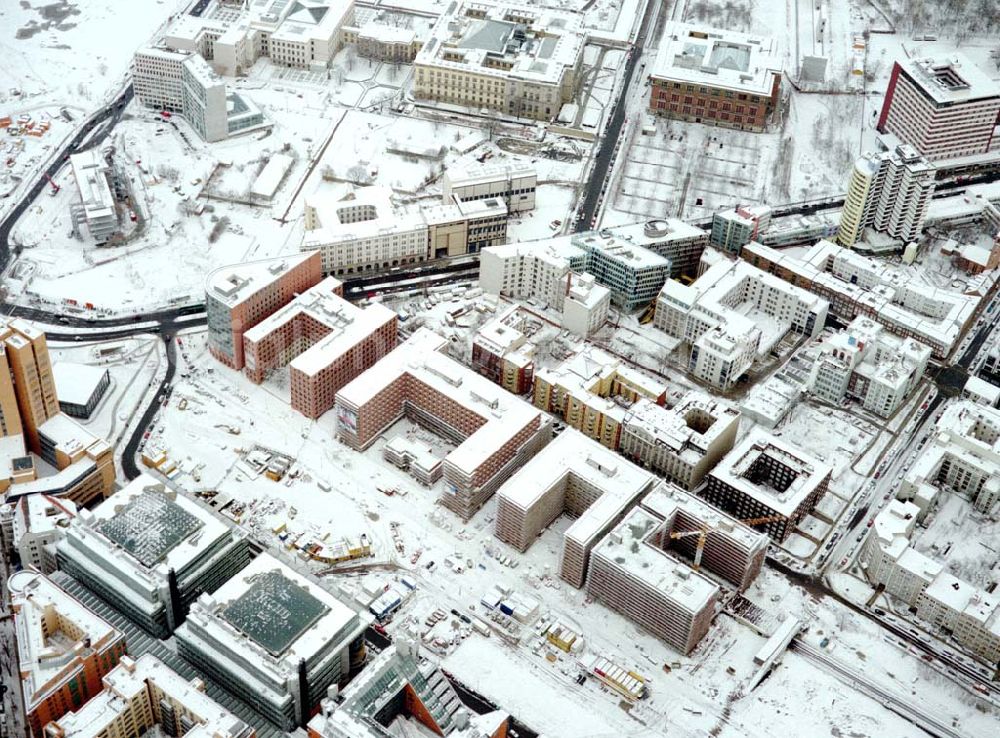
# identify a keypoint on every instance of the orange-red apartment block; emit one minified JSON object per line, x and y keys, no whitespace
{"x":64,"y":649}
{"x":495,"y":431}
{"x":323,"y":339}
{"x":722,"y":78}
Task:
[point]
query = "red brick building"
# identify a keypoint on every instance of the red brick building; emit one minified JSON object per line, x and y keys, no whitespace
{"x":721,"y":78}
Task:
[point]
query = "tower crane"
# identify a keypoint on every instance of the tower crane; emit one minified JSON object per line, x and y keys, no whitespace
{"x":703,"y":532}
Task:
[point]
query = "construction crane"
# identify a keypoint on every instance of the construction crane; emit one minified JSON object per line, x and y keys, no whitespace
{"x":703,"y":532}
{"x":55,"y":188}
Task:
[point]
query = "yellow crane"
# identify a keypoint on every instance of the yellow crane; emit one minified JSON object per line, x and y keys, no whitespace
{"x":703,"y":532}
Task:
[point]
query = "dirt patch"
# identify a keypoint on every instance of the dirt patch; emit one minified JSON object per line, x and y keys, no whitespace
{"x":53,"y":16}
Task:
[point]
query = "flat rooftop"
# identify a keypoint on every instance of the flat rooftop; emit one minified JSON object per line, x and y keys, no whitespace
{"x":667,"y":500}
{"x":421,"y":358}
{"x":279,"y":610}
{"x":745,"y":468}
{"x":76,"y":383}
{"x":149,"y":527}
{"x":274,"y":611}
{"x":673,"y":579}
{"x":670,"y":426}
{"x":234,"y":283}
{"x":151,"y":524}
{"x":505,"y":40}
{"x":951,"y":78}
{"x":132,"y":678}
{"x":347,"y":323}
{"x":712,"y":57}
{"x":572,"y":453}
{"x":44,"y":646}
{"x":89,"y":170}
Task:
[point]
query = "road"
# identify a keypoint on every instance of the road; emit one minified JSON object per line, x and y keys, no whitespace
{"x":129,"y":467}
{"x":603,"y":168}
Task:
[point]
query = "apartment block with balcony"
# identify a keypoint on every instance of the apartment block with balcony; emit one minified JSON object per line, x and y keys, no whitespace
{"x":945,"y":106}
{"x":323,"y":339}
{"x":495,"y":432}
{"x":592,"y":392}
{"x":64,"y":648}
{"x":503,"y":352}
{"x":889,"y":193}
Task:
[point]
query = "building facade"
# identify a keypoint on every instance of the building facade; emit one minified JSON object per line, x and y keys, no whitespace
{"x":683,"y":442}
{"x":63,"y":648}
{"x":323,"y":339}
{"x":517,"y":60}
{"x":718,"y":77}
{"x":182,"y":82}
{"x":275,"y":638}
{"x":150,"y":552}
{"x":889,"y":192}
{"x":502,"y":351}
{"x":592,"y":392}
{"x":765,"y":478}
{"x":944,"y":107}
{"x":867,"y":362}
{"x":238,"y":297}
{"x":494,"y":431}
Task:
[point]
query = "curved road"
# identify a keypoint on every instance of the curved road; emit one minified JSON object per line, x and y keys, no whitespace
{"x":129,"y":467}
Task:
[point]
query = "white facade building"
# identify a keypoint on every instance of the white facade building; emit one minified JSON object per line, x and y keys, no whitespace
{"x":182,"y":82}
{"x":37,"y":524}
{"x":964,"y":456}
{"x":91,"y":174}
{"x":683,"y":442}
{"x":275,"y":638}
{"x":970,"y":615}
{"x":719,"y":314}
{"x":889,"y":192}
{"x":514,"y":184}
{"x":366,"y":232}
{"x":868,"y":362}
{"x":150,"y":552}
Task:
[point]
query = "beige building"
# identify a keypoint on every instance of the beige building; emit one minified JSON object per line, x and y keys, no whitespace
{"x":366,"y":232}
{"x":517,"y":60}
{"x":63,"y":648}
{"x":143,"y":696}
{"x":683,"y":443}
{"x":593,"y":391}
{"x":576,"y":476}
{"x":44,"y":450}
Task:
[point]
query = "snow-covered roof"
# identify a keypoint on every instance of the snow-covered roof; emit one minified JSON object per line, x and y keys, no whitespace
{"x":235,"y":283}
{"x":347,"y":323}
{"x":505,"y":40}
{"x":739,"y":467}
{"x":51,"y":625}
{"x":670,"y":427}
{"x":89,"y":170}
{"x":140,"y":679}
{"x":667,"y":500}
{"x":274,"y":616}
{"x":596,"y":467}
{"x":76,"y":383}
{"x":39,"y":514}
{"x":950,"y":79}
{"x":266,"y":183}
{"x":983,"y":389}
{"x":67,"y":435}
{"x":421,"y":359}
{"x":147,"y":527}
{"x":893,"y":527}
{"x":627,"y":547}
{"x":712,"y":57}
